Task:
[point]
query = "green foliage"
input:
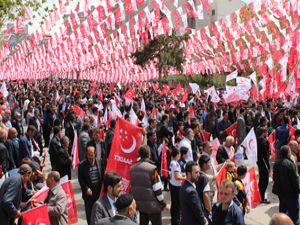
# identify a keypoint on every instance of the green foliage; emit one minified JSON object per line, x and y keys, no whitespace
{"x":166,"y":51}
{"x":11,"y":9}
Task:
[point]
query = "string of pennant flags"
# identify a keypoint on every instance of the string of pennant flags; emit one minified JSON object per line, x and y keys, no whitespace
{"x":262,"y":36}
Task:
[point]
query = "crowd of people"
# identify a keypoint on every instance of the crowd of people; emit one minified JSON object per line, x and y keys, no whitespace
{"x":41,"y":118}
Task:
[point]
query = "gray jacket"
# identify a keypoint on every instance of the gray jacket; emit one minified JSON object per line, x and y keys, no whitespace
{"x":101,"y":209}
{"x":83,"y":139}
{"x":57,"y":206}
{"x":116,"y":220}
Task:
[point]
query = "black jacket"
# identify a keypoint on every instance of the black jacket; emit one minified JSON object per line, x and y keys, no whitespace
{"x":85,"y":180}
{"x":286,"y":180}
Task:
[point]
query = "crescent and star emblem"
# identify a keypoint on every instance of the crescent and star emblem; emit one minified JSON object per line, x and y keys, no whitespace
{"x":124,"y":136}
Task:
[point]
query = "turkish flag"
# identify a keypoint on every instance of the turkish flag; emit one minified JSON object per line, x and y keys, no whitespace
{"x":164,"y":164}
{"x":165,"y":90}
{"x":250,"y":143}
{"x":221,"y":175}
{"x":79,"y":111}
{"x":71,"y":203}
{"x":251,"y":188}
{"x":184,"y":97}
{"x":124,"y":150}
{"x":36,"y":216}
{"x":206,"y":135}
{"x":75,"y":160}
{"x":272,"y":144}
{"x":232,"y":131}
{"x":130,"y":94}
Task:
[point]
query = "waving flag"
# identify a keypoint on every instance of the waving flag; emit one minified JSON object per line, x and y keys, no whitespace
{"x":36,"y":216}
{"x":250,"y":143}
{"x":251,"y":188}
{"x":164,"y":164}
{"x":124,"y":150}
{"x":75,"y":160}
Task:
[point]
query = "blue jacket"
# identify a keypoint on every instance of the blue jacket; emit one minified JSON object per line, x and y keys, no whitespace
{"x":10,"y":198}
{"x":282,"y":136}
{"x":25,"y":147}
{"x":190,"y":204}
{"x":234,"y":215}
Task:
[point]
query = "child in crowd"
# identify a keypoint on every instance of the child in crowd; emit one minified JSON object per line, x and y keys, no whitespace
{"x":230,"y":170}
{"x":184,"y":155}
{"x":241,"y":196}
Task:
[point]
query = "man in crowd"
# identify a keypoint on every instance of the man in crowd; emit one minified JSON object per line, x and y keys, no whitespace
{"x":83,"y":139}
{"x":90,"y":177}
{"x":286,"y":184}
{"x":26,"y":145}
{"x":10,"y":195}
{"x":190,"y":203}
{"x":56,"y":200}
{"x":126,"y":212}
{"x":105,"y":206}
{"x":146,"y":188}
{"x":226,"y":212}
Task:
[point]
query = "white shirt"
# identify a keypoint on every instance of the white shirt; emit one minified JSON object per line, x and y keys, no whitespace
{"x":187,"y":143}
{"x":112,"y":204}
{"x":175,"y":168}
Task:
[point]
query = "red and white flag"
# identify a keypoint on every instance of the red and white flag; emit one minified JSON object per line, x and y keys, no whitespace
{"x":129,"y":95}
{"x":251,"y":188}
{"x":164,"y":164}
{"x":272,"y":144}
{"x":250,"y":143}
{"x":231,"y":76}
{"x":232,"y":131}
{"x":124,"y":150}
{"x":71,"y":203}
{"x":79,"y":111}
{"x":75,"y":160}
{"x":216,"y":144}
{"x":36,"y":216}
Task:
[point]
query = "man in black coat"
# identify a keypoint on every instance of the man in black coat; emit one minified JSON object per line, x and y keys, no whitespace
{"x":10,"y":195}
{"x":70,"y":130}
{"x":90,"y":176}
{"x":4,"y":154}
{"x":190,"y":203}
{"x":286,"y":184}
{"x":109,"y":137}
{"x":55,"y":147}
{"x":36,"y":122}
{"x":152,"y":143}
{"x":99,"y":146}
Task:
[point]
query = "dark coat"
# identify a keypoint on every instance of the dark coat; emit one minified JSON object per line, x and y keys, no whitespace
{"x":13,"y":150}
{"x":10,"y":199}
{"x":103,"y":152}
{"x":101,"y":209}
{"x":286,"y":180}
{"x":38,"y":134}
{"x":4,"y":157}
{"x":16,"y":124}
{"x":25,"y":147}
{"x":85,"y":180}
{"x":234,"y":214}
{"x":108,"y":140}
{"x":54,"y":149}
{"x":190,"y":204}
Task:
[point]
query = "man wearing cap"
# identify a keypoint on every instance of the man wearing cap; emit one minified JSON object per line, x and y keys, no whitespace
{"x":10,"y":195}
{"x":126,"y":212}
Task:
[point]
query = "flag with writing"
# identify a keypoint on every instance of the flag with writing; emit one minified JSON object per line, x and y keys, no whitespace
{"x":124,"y":150}
{"x":71,"y":203}
{"x":36,"y":216}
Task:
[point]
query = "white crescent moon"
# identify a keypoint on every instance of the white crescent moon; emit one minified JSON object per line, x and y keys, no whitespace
{"x":249,"y":143}
{"x":131,"y":149}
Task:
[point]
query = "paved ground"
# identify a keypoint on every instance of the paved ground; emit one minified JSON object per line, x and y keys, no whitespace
{"x":258,"y":216}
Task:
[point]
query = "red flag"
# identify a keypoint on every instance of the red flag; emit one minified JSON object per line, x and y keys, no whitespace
{"x":192,"y":112}
{"x":164,"y":164}
{"x":251,"y":188}
{"x":165,"y":90}
{"x":75,"y":160}
{"x":93,"y":88}
{"x":272,"y":144}
{"x":130,"y":94}
{"x":124,"y":150}
{"x":184,"y":97}
{"x":232,"y":131}
{"x":37,"y":215}
{"x":79,"y":111}
{"x":41,"y":195}
{"x":111,"y":87}
{"x":221,"y":175}
{"x":292,"y":131}
{"x":154,"y":112}
{"x":100,"y":96}
{"x":206,"y":135}
{"x":71,"y":203}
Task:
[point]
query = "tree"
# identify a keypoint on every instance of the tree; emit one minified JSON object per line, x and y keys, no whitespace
{"x":11,"y":9}
{"x":166,"y":51}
